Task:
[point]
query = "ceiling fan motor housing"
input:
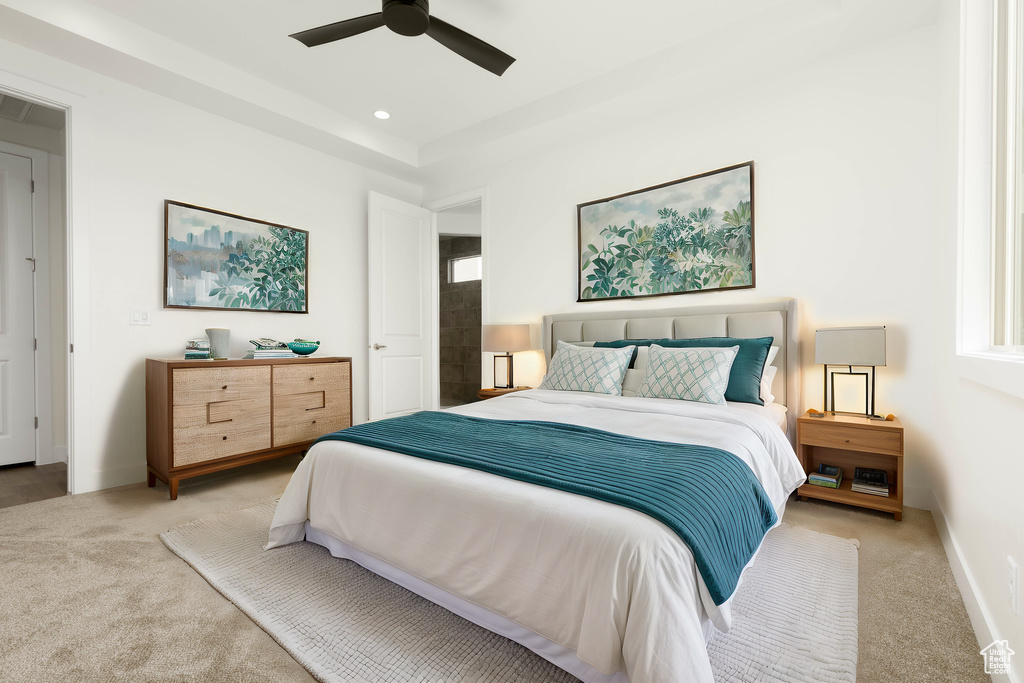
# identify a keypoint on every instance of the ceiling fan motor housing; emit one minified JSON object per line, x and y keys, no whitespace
{"x":407,"y":17}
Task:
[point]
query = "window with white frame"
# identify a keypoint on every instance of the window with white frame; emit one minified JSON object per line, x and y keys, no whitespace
{"x":990,"y":274}
{"x":1008,"y":179}
{"x":465,"y":269}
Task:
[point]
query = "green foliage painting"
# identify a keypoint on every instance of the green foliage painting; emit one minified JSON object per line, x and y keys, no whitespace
{"x":220,"y":260}
{"x":689,"y":235}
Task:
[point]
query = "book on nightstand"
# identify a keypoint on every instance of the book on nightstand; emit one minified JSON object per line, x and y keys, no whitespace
{"x":828,"y":476}
{"x":872,"y":481}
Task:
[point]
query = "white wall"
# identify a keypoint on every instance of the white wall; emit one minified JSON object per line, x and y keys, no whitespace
{"x":142,"y":149}
{"x":845,"y":186}
{"x":458,"y":222}
{"x":854,"y":202}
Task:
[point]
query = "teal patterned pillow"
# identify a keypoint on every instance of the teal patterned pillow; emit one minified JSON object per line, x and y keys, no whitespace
{"x":580,"y":368}
{"x":690,"y":374}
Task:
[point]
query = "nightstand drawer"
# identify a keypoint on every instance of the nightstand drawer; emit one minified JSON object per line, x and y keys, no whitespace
{"x":852,"y":438}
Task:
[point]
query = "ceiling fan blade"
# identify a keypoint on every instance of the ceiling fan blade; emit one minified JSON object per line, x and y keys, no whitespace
{"x":470,"y":47}
{"x":339,"y":30}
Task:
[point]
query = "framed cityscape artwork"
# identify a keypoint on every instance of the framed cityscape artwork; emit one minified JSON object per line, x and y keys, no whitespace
{"x":218,"y":260}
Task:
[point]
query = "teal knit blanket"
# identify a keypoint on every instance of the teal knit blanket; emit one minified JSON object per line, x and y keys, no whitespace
{"x":708,"y":497}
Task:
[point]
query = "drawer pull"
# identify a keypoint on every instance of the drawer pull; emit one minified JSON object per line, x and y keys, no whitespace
{"x":224,"y":438}
{"x":224,"y":387}
{"x":314,"y":421}
{"x":847,"y":441}
{"x":312,"y":379}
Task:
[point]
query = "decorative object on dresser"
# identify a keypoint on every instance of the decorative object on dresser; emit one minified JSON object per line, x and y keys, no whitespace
{"x":855,"y":444}
{"x":222,"y":261}
{"x":852,"y":347}
{"x":497,"y":391}
{"x":687,"y":235}
{"x":265,"y":347}
{"x":503,"y":341}
{"x":220,"y":341}
{"x":207,"y":416}
{"x":303,"y":347}
{"x":197,"y":349}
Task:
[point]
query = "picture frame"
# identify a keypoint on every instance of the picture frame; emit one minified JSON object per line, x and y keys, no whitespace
{"x":690,"y":235}
{"x":214,"y":260}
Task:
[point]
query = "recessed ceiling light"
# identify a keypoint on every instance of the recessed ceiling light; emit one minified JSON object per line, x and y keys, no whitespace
{"x":382,"y":114}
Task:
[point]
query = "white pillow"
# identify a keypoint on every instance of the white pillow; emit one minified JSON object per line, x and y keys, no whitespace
{"x":577,"y":368}
{"x":632,"y":381}
{"x":766,"y":384}
{"x":689,"y":374}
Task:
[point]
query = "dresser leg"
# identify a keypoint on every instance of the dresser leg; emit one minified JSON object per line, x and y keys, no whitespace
{"x":898,"y":516}
{"x":150,"y":479}
{"x":173,"y":484}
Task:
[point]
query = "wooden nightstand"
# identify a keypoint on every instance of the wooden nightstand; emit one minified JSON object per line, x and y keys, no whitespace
{"x":491,"y":393}
{"x":850,"y":441}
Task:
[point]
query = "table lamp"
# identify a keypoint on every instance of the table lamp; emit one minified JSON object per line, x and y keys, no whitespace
{"x":852,"y":347}
{"x":503,"y":341}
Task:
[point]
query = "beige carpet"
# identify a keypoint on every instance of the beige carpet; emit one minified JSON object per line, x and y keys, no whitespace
{"x":91,"y":594}
{"x":794,"y":616}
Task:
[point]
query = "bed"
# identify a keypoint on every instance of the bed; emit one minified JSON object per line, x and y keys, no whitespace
{"x":606,"y":592}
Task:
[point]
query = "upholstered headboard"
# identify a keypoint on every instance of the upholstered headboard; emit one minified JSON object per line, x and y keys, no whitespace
{"x":776,"y":319}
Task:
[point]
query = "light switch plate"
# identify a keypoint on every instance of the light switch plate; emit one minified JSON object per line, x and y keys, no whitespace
{"x":140,"y":316}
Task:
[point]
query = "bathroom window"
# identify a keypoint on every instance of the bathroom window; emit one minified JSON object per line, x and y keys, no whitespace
{"x":465,"y":269}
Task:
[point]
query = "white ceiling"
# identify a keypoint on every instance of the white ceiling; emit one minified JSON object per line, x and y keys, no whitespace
{"x":234,"y":57}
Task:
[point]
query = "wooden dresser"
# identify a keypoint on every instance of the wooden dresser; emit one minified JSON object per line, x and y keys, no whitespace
{"x":204,"y":416}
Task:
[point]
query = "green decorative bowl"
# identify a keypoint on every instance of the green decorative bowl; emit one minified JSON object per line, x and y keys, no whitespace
{"x":303,"y":348}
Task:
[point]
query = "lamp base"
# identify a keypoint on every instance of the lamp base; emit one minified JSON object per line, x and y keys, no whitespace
{"x":509,"y":384}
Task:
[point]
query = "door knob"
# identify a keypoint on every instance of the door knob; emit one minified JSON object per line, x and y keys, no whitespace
{"x":378,"y":347}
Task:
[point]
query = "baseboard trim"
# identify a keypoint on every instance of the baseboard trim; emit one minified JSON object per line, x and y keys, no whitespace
{"x":980,"y":618}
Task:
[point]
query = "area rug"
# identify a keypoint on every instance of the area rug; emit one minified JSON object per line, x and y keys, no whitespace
{"x":795,"y":614}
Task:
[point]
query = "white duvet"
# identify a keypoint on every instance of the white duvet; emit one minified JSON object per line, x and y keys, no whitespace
{"x":611,"y":585}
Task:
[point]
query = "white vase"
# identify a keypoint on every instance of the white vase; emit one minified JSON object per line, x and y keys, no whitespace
{"x":220,"y":338}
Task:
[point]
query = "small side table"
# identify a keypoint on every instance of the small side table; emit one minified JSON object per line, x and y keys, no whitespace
{"x":849,"y":442}
{"x":491,"y":393}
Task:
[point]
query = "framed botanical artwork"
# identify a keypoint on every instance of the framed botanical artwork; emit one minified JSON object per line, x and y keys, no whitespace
{"x":689,"y":235}
{"x":217,"y":260}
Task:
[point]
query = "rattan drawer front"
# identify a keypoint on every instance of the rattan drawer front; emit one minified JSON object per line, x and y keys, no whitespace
{"x":310,"y":401}
{"x":199,"y":386}
{"x":304,"y":417}
{"x":852,"y":438}
{"x":302,"y":379}
{"x":218,"y":430}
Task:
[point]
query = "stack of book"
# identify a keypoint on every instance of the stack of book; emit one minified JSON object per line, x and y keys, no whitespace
{"x":197,"y":349}
{"x":828,"y":476}
{"x":269,"y":348}
{"x":868,"y":480}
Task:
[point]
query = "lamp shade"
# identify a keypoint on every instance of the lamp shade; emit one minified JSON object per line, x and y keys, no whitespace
{"x":506,"y":338}
{"x":850,"y":346}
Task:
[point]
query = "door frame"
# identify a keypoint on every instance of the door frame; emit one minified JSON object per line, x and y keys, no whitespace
{"x":436,"y":206}
{"x":42,"y":370}
{"x":82,"y":474}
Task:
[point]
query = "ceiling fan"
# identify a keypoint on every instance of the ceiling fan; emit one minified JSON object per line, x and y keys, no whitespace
{"x":412,"y":18}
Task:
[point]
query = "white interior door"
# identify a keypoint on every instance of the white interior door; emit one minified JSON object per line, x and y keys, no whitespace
{"x":17,"y":328}
{"x":403,"y":329}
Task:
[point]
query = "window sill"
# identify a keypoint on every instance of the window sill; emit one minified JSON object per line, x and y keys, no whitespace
{"x":1000,"y":371}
